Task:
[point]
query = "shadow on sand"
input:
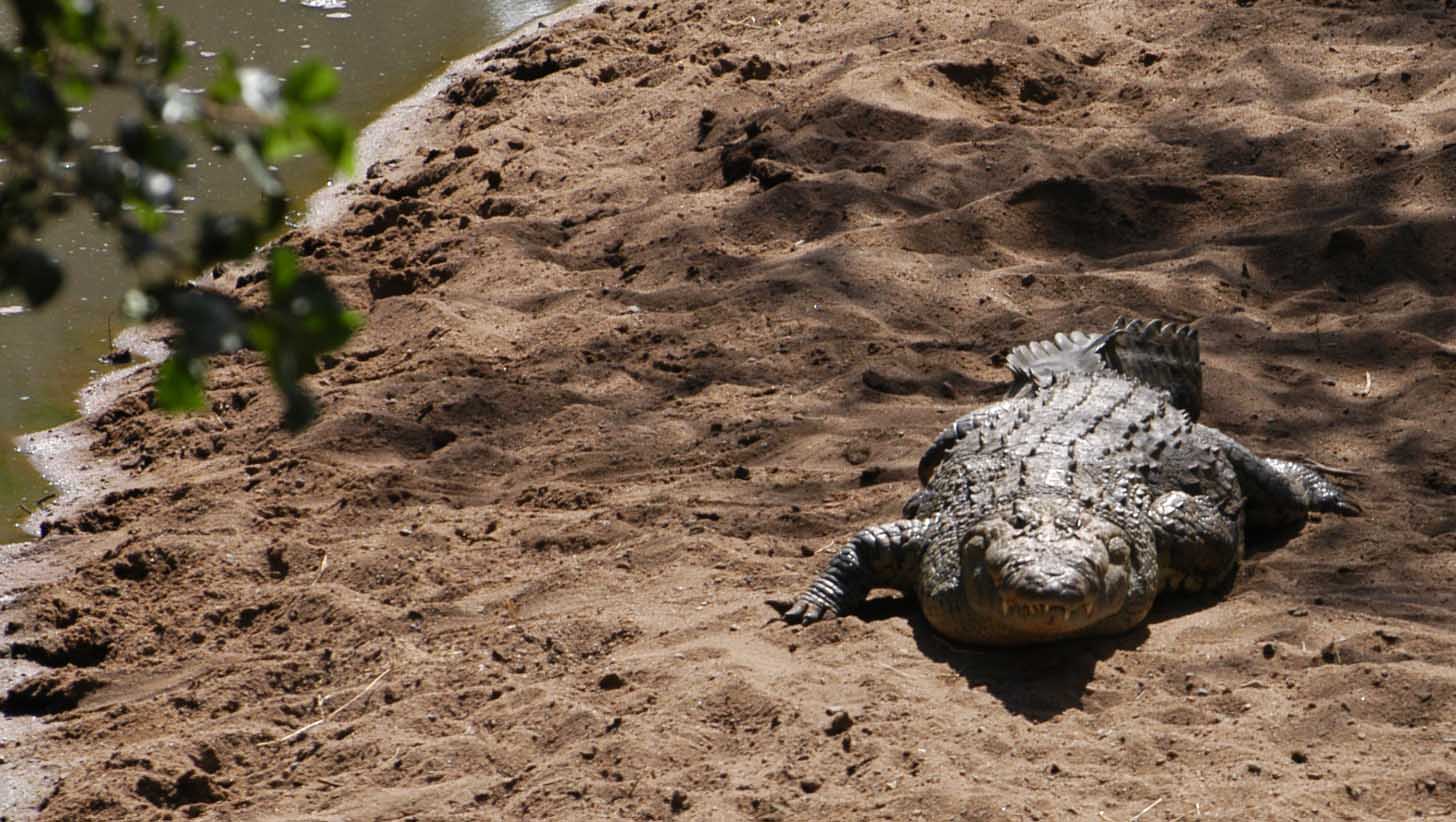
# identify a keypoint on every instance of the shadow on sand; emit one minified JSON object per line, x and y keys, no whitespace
{"x":1040,"y":682}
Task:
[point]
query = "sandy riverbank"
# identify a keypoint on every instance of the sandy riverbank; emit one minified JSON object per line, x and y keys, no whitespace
{"x":669,"y":298}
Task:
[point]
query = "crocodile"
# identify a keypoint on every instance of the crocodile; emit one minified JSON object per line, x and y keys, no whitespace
{"x":1064,"y":509}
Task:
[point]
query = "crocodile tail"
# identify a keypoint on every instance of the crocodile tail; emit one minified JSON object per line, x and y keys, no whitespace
{"x":1159,"y":354}
{"x":1038,"y":364}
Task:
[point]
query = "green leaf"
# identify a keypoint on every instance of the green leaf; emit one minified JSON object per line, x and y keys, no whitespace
{"x":283,"y":140}
{"x":335,"y":139}
{"x":299,"y":409}
{"x":75,"y":89}
{"x":170,"y":56}
{"x":179,"y":384}
{"x":283,"y":273}
{"x":226,"y":89}
{"x":310,"y":84}
{"x":150,"y":145}
{"x":148,"y":218}
{"x":209,"y":322}
{"x":303,"y":319}
{"x":80,"y":22}
{"x":35,"y":273}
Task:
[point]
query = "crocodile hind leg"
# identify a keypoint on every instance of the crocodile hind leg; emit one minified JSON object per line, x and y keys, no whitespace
{"x":1280,"y":492}
{"x":882,"y":556}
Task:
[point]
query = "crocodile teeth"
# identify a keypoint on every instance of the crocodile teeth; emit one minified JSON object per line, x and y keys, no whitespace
{"x":1066,"y":614}
{"x":1088,"y":609}
{"x":1005,"y":607}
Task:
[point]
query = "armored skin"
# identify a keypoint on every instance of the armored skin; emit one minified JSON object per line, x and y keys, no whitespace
{"x":1063,"y":510}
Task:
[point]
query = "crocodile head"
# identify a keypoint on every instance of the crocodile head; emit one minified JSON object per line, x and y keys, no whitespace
{"x":1041,"y":570}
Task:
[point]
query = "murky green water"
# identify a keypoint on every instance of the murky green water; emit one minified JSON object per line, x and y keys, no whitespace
{"x":383,"y":49}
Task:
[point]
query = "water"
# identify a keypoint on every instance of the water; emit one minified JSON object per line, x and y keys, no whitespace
{"x":383,"y":49}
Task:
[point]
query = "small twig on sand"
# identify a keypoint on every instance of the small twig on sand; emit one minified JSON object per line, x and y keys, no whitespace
{"x":323,"y":564}
{"x":855,"y":768}
{"x":1139,"y":815}
{"x":317,"y":722}
{"x":293,"y":603}
{"x":1333,"y":471}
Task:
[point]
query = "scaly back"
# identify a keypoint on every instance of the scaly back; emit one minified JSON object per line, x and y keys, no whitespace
{"x":1159,"y":354}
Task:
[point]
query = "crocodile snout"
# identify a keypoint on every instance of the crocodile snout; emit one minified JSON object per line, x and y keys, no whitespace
{"x":1047,"y":583}
{"x":1050,"y":584}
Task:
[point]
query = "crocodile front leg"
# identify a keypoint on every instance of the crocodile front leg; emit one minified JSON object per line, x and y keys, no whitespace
{"x":882,"y":556}
{"x":1199,"y":540}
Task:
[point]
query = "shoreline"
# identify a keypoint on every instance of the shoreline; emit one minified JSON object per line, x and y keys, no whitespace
{"x":385,"y":134}
{"x":62,"y":454}
{"x":63,"y":457}
{"x":59,"y":453}
{"x":674,"y":295}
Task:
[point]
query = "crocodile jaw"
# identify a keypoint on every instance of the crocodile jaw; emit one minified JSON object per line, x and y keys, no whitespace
{"x":1050,"y":614}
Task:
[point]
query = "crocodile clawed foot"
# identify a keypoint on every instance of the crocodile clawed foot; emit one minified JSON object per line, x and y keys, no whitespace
{"x":805,"y":612}
{"x":1328,"y":498}
{"x":1319,"y":493}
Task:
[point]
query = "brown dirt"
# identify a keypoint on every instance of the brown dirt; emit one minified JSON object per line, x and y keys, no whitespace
{"x":665,"y":303}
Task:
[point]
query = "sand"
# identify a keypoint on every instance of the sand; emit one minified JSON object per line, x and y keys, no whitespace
{"x":663,"y":304}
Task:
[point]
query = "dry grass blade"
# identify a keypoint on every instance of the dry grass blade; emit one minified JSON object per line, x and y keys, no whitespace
{"x":283,"y":612}
{"x":1334,"y":471}
{"x":1139,"y":814}
{"x":317,"y":722}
